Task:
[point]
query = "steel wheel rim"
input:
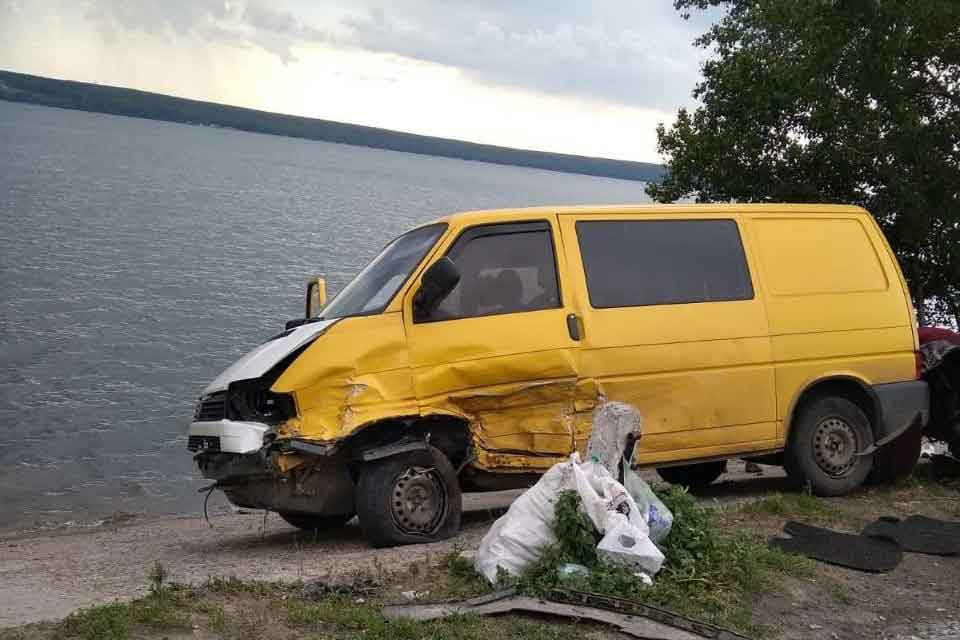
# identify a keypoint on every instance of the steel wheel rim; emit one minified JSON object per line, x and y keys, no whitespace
{"x":418,"y":501}
{"x":835,"y":447}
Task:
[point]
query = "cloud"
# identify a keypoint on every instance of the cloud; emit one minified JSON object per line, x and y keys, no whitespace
{"x":245,"y":24}
{"x":620,"y":53}
{"x":596,"y":57}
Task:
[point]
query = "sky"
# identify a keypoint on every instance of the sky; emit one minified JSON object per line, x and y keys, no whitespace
{"x":589,"y":77}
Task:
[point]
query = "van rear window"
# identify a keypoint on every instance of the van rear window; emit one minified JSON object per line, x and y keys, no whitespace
{"x":632,"y":263}
{"x":817,"y":256}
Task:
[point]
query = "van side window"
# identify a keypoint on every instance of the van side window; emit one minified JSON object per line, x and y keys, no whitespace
{"x":632,"y":263}
{"x":504,"y":268}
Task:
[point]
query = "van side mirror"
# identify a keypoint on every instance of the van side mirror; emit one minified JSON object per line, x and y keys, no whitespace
{"x":438,"y":281}
{"x":316,"y":296}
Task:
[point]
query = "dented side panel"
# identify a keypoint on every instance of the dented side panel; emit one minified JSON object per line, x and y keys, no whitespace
{"x":516,"y":388}
{"x":513,"y":377}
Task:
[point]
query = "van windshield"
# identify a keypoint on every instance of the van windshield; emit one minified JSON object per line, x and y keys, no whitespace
{"x":373,"y":288}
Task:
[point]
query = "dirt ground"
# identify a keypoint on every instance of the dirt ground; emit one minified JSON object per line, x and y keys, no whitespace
{"x":44,"y":575}
{"x":920,"y":599}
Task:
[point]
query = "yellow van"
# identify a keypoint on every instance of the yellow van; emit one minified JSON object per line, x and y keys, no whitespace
{"x":471,"y":353}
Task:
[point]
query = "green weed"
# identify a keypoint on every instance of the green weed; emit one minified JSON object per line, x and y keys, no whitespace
{"x":788,"y":505}
{"x":706,"y":573}
{"x":107,"y":622}
{"x":234,"y":585}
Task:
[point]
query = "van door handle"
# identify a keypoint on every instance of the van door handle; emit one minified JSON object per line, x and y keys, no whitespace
{"x":573,"y":326}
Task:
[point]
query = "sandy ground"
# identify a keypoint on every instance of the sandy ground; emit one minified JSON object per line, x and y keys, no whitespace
{"x":45,"y":575}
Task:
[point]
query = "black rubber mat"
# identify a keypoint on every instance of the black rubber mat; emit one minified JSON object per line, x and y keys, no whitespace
{"x":875,"y":554}
{"x":919,"y":534}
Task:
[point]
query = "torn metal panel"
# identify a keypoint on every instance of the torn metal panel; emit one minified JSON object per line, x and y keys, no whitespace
{"x":636,"y":626}
{"x":539,"y":418}
{"x":505,"y":462}
{"x":634,"y":607}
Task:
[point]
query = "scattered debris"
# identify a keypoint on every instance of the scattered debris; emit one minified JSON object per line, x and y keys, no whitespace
{"x":931,"y":448}
{"x":633,"y":625}
{"x":517,"y":539}
{"x":629,"y":616}
{"x":919,"y":534}
{"x":632,"y":607}
{"x":844,"y":549}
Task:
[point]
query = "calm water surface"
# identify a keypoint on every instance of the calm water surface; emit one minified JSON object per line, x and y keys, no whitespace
{"x":140,"y":258}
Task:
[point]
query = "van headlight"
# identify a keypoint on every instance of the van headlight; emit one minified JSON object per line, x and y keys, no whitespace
{"x":253,"y":403}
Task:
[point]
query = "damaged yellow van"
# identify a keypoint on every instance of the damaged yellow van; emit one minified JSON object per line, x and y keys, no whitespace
{"x":471,"y":353}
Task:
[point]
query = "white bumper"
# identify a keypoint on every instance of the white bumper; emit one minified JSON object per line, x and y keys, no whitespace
{"x":227,"y":436}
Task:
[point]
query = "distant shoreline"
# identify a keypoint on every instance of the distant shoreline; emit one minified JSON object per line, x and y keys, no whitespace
{"x":29,"y":89}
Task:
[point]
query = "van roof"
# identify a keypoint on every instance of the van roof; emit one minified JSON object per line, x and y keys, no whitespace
{"x":667,"y":209}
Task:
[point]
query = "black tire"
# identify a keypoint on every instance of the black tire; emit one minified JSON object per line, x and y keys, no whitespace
{"x":897,"y":459}
{"x":313,"y":522}
{"x":410,"y":498}
{"x":826,"y":435}
{"x":694,"y":476}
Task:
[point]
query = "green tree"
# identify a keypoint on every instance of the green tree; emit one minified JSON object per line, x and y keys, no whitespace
{"x":852,"y":101}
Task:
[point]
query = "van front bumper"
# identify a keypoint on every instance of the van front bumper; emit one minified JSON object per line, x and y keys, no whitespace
{"x":232,"y":454}
{"x":226,"y":436}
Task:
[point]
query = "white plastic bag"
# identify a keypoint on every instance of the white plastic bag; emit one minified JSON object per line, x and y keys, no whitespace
{"x":658,"y":517}
{"x":517,"y":538}
{"x":601,"y":496}
{"x":627,"y":545}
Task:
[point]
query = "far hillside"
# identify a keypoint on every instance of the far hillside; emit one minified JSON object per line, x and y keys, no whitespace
{"x":18,"y":87}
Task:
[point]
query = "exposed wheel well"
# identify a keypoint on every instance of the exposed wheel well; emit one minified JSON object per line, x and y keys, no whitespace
{"x":850,"y":388}
{"x":449,"y":434}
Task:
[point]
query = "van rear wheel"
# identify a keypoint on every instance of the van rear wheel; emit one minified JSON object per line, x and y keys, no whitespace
{"x":695,"y":476}
{"x":827,"y":435}
{"x":410,"y":498}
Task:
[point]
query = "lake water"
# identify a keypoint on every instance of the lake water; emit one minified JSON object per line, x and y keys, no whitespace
{"x":139,"y":258}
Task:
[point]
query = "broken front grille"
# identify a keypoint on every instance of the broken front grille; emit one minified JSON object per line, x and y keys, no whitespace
{"x":203,"y":443}
{"x":211,"y":408}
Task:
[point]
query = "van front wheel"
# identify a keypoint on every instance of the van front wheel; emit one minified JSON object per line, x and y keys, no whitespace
{"x":410,"y":498}
{"x":826,"y":437}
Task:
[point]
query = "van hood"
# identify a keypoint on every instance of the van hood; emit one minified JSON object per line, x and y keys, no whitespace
{"x":263,"y":358}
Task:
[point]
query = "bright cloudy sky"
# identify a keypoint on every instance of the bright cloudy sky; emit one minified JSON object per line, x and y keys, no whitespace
{"x":585,"y":77}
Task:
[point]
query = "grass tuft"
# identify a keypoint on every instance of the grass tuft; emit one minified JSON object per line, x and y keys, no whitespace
{"x":793,"y":504}
{"x":234,"y":585}
{"x":107,"y":622}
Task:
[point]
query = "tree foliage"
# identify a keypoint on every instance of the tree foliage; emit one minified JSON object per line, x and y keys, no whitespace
{"x":851,"y":101}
